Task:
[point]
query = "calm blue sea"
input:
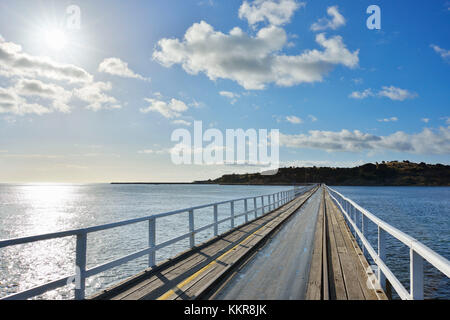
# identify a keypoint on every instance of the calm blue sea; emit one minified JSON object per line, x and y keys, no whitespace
{"x":25,"y":210}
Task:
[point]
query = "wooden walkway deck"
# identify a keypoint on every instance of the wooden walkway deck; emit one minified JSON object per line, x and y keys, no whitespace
{"x":339,"y":270}
{"x":192,"y":274}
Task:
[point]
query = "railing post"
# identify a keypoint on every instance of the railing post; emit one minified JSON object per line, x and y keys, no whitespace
{"x":416,"y":275}
{"x":246,"y":210}
{"x":216,"y":218}
{"x":273,"y":199}
{"x":80,"y":261}
{"x":232,"y":214}
{"x":191,"y":229}
{"x":262,"y":204}
{"x":352,"y":214}
{"x":255,"y":207}
{"x":381,"y":256}
{"x":152,"y":241}
{"x":364,"y":231}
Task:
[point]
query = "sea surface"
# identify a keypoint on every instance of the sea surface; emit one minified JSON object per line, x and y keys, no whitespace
{"x":29,"y":209}
{"x":422,"y":212}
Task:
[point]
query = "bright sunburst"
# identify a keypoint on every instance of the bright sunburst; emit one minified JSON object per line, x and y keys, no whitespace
{"x":55,"y":39}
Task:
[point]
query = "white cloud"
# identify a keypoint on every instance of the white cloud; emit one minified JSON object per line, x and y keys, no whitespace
{"x":275,"y":12}
{"x":58,"y":96}
{"x":337,"y":20}
{"x":117,"y":67}
{"x":182,"y":122}
{"x":294,"y":119}
{"x":426,"y":120}
{"x":398,"y":94}
{"x":391,"y":119}
{"x":312,"y":118}
{"x":361,"y":94}
{"x":14,"y":62}
{"x":94,"y":94}
{"x":154,"y":151}
{"x":445,"y":54}
{"x":172,"y":109}
{"x":230,"y":95}
{"x":426,"y":142}
{"x":253,"y":62}
{"x":390,"y":92}
{"x":447,"y":120}
{"x":11,"y":102}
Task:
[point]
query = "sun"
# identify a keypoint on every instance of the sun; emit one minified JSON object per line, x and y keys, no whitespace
{"x":55,"y":39}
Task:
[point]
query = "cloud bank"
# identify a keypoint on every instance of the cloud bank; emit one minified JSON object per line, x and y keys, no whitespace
{"x":252,"y":61}
{"x":426,"y":142}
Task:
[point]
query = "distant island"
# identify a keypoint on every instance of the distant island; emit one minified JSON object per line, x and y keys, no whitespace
{"x":392,"y":173}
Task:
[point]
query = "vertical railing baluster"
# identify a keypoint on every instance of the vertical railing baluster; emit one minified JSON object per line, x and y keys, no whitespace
{"x":216,"y":218}
{"x":191,"y":229}
{"x":416,"y":275}
{"x":80,"y":262}
{"x":232,"y":213}
{"x":364,"y":223}
{"x":246,"y":210}
{"x":273,"y":199}
{"x":381,"y":256}
{"x":262,"y":204}
{"x":152,"y":241}
{"x":255,"y":207}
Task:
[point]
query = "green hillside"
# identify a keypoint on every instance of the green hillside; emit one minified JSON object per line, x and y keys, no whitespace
{"x":392,"y":173}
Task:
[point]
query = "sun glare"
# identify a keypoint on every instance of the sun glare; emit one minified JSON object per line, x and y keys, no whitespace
{"x":56,"y":39}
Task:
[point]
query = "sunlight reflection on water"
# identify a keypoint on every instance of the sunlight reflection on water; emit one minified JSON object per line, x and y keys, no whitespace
{"x":36,"y":209}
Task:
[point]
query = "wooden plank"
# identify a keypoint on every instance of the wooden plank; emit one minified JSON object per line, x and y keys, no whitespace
{"x":348,"y":262}
{"x":337,"y":285}
{"x":361,"y":262}
{"x":325,"y":249}
{"x":355,"y":263}
{"x":314,"y":287}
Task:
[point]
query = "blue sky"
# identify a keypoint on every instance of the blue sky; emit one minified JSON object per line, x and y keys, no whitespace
{"x":99,"y":104}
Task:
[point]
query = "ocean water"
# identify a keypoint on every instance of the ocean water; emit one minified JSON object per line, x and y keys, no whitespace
{"x":37,"y":209}
{"x":421,"y":212}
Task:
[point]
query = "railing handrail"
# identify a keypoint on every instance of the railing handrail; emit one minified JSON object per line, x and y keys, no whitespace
{"x":416,"y":247}
{"x":283,"y":197}
{"x":434,"y":258}
{"x":106,"y":226}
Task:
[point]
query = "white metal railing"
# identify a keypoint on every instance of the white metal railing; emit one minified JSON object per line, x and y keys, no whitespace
{"x":274,"y":201}
{"x":418,"y":251}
